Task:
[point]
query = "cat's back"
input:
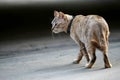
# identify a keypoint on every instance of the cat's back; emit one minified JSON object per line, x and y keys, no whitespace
{"x":88,"y":20}
{"x":80,"y":18}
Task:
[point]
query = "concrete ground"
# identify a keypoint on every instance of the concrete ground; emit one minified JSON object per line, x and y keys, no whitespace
{"x":50,"y":58}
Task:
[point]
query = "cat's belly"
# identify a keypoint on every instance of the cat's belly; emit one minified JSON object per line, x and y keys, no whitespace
{"x":83,"y":39}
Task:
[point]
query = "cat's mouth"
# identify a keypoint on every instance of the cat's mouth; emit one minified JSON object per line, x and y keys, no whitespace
{"x":55,"y":31}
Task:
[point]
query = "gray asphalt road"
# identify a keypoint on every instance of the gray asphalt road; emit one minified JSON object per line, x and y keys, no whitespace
{"x":50,"y":58}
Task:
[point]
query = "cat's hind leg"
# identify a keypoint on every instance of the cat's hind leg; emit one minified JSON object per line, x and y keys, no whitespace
{"x":91,"y":51}
{"x":105,"y":56}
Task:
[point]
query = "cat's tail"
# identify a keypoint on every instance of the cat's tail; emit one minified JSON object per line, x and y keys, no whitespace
{"x":102,"y":40}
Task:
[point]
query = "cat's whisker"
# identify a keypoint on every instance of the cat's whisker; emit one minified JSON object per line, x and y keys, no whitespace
{"x":53,"y":37}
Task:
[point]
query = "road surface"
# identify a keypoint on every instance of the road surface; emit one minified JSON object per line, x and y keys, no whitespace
{"x":50,"y":58}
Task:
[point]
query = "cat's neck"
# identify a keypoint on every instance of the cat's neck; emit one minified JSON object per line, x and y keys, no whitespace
{"x":69,"y":18}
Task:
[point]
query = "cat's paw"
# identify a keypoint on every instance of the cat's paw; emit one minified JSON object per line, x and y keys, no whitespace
{"x":108,"y":66}
{"x":88,"y":65}
{"x":75,"y":61}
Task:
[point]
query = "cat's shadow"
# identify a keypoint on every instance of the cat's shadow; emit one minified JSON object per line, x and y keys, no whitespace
{"x":68,"y":68}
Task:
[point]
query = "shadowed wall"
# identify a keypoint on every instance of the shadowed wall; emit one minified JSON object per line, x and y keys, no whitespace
{"x":37,"y":17}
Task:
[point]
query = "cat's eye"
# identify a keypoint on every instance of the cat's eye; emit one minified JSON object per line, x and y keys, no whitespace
{"x":55,"y":24}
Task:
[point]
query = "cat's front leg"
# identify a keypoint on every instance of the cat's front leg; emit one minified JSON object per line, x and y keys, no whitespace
{"x":82,"y":53}
{"x":79,"y":58}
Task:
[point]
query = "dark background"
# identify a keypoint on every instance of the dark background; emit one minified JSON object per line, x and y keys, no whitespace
{"x":36,"y":17}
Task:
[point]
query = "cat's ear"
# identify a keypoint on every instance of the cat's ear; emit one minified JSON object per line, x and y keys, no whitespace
{"x":56,"y":14}
{"x":61,"y":15}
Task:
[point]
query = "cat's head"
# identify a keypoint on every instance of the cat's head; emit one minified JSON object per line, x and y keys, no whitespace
{"x":59,"y":23}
